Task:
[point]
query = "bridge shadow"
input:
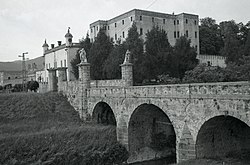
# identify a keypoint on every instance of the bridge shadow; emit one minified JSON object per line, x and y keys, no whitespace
{"x":223,"y":137}
{"x":151,"y":136}
{"x":103,"y":114}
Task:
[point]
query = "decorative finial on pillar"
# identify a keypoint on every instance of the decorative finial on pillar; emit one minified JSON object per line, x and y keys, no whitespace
{"x":83,"y":56}
{"x":127,"y":57}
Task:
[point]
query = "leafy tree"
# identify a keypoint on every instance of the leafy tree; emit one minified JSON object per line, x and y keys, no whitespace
{"x":184,"y":57}
{"x":229,"y":31}
{"x":157,"y":58}
{"x":98,"y":54}
{"x":210,"y":38}
{"x":32,"y":85}
{"x":112,"y":67}
{"x":86,"y":44}
{"x":135,"y":44}
{"x":247,"y":44}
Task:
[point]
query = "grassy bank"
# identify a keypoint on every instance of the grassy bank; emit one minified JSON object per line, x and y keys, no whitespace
{"x":45,"y":129}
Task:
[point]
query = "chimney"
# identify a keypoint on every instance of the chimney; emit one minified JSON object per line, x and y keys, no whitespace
{"x":59,"y":43}
{"x":52,"y":46}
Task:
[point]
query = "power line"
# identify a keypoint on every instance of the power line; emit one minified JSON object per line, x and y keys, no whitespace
{"x":151,"y":4}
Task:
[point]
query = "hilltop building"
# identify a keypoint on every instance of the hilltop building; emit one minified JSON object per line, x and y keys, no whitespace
{"x":175,"y":25}
{"x":59,"y":57}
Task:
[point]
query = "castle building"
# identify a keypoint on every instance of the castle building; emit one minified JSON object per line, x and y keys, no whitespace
{"x":60,"y":56}
{"x":175,"y":25}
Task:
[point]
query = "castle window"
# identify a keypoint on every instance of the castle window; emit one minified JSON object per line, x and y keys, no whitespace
{"x":108,"y":27}
{"x":64,"y":63}
{"x":141,"y":31}
{"x":131,"y":18}
{"x":123,"y":35}
{"x":49,"y":65}
{"x":97,"y":28}
{"x":115,"y":36}
{"x":178,"y":34}
{"x":195,"y":34}
{"x":8,"y":78}
{"x":174,"y":22}
{"x":186,"y":33}
{"x":195,"y":22}
{"x":174,"y":34}
{"x":123,"y":22}
{"x":105,"y":27}
{"x":115,"y":24}
{"x":196,"y":47}
{"x":91,"y":30}
{"x":153,"y":19}
{"x":186,"y":21}
{"x":61,"y":63}
{"x":164,"y":21}
{"x":177,"y":22}
{"x":140,"y":18}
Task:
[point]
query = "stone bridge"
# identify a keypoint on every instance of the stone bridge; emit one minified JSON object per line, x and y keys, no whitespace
{"x":169,"y":122}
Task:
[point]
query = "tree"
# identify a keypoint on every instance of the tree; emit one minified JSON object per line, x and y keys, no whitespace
{"x":86,"y":44}
{"x":210,"y":38}
{"x":98,"y":54}
{"x":112,"y":64}
{"x":247,"y":44}
{"x":135,"y":44}
{"x":184,"y":57}
{"x":229,"y":31}
{"x":32,"y":85}
{"x":157,"y":58}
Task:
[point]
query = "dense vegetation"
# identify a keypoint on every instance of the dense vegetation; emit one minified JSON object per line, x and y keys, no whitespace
{"x":45,"y":129}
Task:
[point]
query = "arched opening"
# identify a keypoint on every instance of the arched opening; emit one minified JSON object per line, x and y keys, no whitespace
{"x":223,"y":137}
{"x":103,"y":114}
{"x":151,"y":135}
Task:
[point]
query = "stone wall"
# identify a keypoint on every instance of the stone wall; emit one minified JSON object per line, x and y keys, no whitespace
{"x":106,"y":83}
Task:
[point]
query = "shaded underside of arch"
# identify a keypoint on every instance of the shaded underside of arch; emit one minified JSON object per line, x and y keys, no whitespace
{"x":151,"y":135}
{"x":103,"y":114}
{"x":223,"y":137}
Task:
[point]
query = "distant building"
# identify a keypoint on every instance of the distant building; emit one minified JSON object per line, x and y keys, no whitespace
{"x":60,"y":56}
{"x":175,"y":26}
{"x":212,"y":60}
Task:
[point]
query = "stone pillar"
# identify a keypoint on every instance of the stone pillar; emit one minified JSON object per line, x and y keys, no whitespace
{"x":84,"y":84}
{"x":52,"y":80}
{"x":127,"y":70}
{"x":62,"y":76}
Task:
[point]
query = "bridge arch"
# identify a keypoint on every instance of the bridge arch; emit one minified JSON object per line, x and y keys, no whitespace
{"x":103,"y":114}
{"x":151,"y":135}
{"x":223,"y":136}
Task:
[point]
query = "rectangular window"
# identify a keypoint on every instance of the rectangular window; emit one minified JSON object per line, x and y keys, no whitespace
{"x":178,"y":34}
{"x":140,"y":18}
{"x":195,"y":34}
{"x":61,"y":63}
{"x":174,"y":34}
{"x":65,"y":63}
{"x":186,"y":33}
{"x":186,"y":21}
{"x":91,"y":30}
{"x":123,"y":22}
{"x":115,"y":36}
{"x":195,"y":22}
{"x":196,"y":47}
{"x":141,"y":31}
{"x":177,"y":22}
{"x":115,"y":24}
{"x":131,"y":18}
{"x":97,"y":28}
{"x":153,"y":19}
{"x":108,"y":27}
{"x":174,"y":22}
{"x":164,"y":21}
{"x":123,"y":34}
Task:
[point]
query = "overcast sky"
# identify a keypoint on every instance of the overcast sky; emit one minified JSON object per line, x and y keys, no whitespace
{"x":24,"y":24}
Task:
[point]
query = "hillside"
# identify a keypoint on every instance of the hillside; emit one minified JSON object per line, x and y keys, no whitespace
{"x":17,"y":65}
{"x":45,"y":129}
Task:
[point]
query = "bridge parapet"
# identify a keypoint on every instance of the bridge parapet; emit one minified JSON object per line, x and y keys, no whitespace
{"x":208,"y":90}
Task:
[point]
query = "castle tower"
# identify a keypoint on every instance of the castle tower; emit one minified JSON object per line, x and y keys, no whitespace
{"x":45,"y":47}
{"x":127,"y":70}
{"x":68,"y":38}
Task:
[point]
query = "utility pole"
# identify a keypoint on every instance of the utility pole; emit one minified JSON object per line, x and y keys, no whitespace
{"x":23,"y":70}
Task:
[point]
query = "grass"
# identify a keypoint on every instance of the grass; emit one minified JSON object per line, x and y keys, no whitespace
{"x":45,"y":129}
